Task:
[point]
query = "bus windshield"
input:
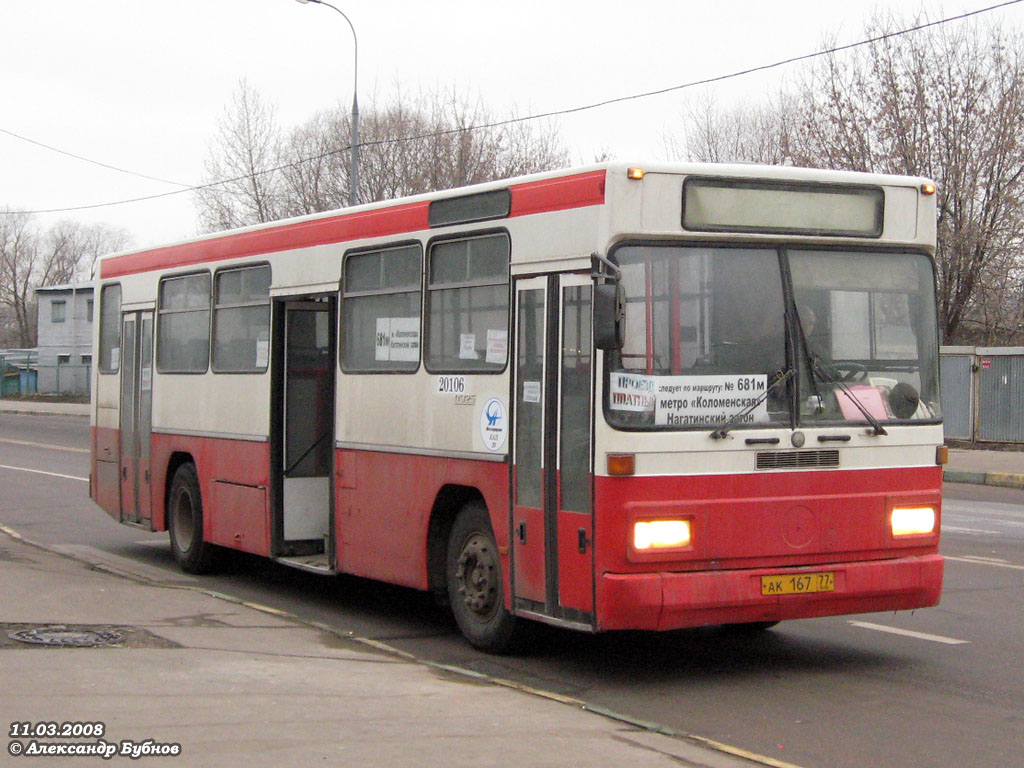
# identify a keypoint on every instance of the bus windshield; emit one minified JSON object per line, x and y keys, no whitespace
{"x":757,"y":336}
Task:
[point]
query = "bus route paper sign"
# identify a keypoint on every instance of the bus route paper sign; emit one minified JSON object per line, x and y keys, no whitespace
{"x":397,"y":339}
{"x":631,"y":392}
{"x":691,"y":401}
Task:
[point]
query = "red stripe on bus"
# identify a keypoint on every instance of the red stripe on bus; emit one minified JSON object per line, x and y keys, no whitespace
{"x":542,"y":196}
{"x":558,"y":194}
{"x":305,"y":234}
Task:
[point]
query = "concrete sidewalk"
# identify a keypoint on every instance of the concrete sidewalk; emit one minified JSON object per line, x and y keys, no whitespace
{"x":985,"y":467}
{"x":44,"y":407}
{"x":234,"y":685}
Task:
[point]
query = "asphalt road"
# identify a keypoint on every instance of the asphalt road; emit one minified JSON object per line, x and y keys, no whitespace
{"x":938,"y":687}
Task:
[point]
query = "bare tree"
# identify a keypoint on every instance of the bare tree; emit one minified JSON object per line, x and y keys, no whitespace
{"x":947,"y":103}
{"x":242,"y":183}
{"x":408,"y":145}
{"x":70,"y":249}
{"x":30,"y":259}
{"x":19,"y":250}
{"x":755,"y":133}
{"x":314,"y":160}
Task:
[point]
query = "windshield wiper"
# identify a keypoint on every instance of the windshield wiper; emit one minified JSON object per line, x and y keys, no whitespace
{"x":781,"y":378}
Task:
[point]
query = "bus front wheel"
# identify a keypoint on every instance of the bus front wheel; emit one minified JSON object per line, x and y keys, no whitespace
{"x":185,"y":522}
{"x":473,"y":576}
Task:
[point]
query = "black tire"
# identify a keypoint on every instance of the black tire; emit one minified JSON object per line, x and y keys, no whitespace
{"x":473,"y":577}
{"x":185,"y":522}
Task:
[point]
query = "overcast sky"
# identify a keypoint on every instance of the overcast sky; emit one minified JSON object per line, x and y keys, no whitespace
{"x":141,"y":84}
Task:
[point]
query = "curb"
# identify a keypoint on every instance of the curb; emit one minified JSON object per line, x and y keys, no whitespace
{"x":1000,"y":479}
{"x":21,"y":412}
{"x":37,"y":408}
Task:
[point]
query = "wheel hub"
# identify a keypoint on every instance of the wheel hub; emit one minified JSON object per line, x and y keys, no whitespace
{"x":477,"y":575}
{"x":182,"y":522}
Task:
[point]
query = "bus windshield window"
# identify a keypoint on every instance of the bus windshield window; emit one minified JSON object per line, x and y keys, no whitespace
{"x":707,"y":340}
{"x":867,"y":336}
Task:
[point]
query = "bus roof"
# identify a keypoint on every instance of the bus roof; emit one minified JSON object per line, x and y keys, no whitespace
{"x":535,"y":193}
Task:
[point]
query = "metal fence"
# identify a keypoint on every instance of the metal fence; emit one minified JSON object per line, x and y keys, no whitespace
{"x":17,"y":372}
{"x":983,"y":393}
{"x":21,"y":374}
{"x":64,"y":379}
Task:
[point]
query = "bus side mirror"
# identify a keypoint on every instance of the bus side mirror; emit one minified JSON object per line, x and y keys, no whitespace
{"x":609,"y":316}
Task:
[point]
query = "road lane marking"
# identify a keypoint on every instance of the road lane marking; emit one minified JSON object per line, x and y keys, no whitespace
{"x":970,"y":531}
{"x":41,"y":472}
{"x":908,"y":633}
{"x":44,"y":445}
{"x":986,"y":561}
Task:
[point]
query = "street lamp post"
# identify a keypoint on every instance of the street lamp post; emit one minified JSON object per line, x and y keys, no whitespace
{"x":353,"y":182}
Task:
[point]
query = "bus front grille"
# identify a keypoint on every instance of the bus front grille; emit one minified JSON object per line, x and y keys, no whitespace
{"x":797,"y":459}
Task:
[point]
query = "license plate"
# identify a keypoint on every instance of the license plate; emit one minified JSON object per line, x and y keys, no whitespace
{"x":798,"y":583}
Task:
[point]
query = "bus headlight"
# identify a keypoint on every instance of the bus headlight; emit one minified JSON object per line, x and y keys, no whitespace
{"x":661,"y":534}
{"x":907,"y":521}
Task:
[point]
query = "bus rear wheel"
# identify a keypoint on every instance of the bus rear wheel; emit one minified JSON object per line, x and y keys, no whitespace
{"x":185,"y":522}
{"x":473,"y":577}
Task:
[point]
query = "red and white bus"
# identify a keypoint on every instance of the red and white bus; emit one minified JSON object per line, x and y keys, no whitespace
{"x":614,"y":397}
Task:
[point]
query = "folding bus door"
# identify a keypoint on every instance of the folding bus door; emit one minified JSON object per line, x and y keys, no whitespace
{"x":307,"y":428}
{"x":136,"y":416}
{"x":552,"y":524}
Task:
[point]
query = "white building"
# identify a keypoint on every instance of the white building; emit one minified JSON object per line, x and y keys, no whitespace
{"x":65,"y":338}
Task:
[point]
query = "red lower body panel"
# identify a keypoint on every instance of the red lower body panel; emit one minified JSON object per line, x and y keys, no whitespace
{"x":662,"y":601}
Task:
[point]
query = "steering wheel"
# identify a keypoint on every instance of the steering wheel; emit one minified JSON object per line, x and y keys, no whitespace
{"x":850,"y":371}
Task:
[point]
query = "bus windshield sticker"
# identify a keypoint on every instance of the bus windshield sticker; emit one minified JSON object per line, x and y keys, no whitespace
{"x":684,"y":401}
{"x":397,"y":339}
{"x":497,"y":346}
{"x":632,"y":392}
{"x":531,"y":391}
{"x":467,"y":347}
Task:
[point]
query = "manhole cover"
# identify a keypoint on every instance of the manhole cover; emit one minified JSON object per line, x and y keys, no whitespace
{"x":66,"y":637}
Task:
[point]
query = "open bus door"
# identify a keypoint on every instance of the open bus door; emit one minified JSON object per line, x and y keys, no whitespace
{"x":305,"y":433}
{"x":136,"y":416}
{"x":552,"y":520}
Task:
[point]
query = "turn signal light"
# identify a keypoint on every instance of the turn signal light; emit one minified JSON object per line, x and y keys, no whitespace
{"x":635,"y":173}
{"x":621,"y":464}
{"x":661,"y":534}
{"x":927,"y":189}
{"x":908,"y":521}
{"x":942,"y":455}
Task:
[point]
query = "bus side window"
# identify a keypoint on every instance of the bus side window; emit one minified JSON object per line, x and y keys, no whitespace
{"x":110,"y":329}
{"x":468,"y":305}
{"x":381,"y":310}
{"x":183,"y":343}
{"x":241,"y":320}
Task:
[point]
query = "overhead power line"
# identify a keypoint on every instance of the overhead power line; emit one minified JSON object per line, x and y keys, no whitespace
{"x":94,"y":162}
{"x":499,"y":123}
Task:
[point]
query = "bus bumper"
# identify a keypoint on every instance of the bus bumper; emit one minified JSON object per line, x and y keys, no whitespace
{"x":663,"y":601}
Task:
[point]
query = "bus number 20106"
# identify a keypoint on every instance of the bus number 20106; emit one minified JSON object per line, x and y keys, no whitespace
{"x":451,"y":385}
